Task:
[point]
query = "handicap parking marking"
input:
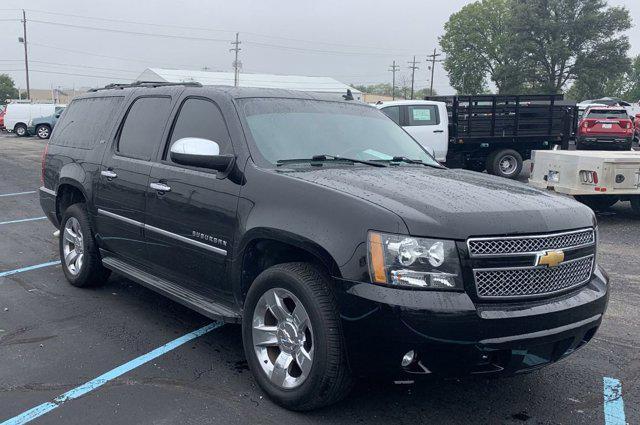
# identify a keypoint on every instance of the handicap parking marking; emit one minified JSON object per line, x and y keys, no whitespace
{"x":23,"y":220}
{"x":17,"y":193}
{"x":87,"y":387}
{"x":613,"y":403}
{"x":29,"y":268}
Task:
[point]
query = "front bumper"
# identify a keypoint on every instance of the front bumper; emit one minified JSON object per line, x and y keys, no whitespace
{"x":453,"y":336}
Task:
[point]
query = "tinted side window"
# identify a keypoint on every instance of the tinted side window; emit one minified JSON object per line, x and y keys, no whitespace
{"x":142,"y":129}
{"x":201,"y":118}
{"x":392,"y":112}
{"x":423,"y":115}
{"x":84,"y":121}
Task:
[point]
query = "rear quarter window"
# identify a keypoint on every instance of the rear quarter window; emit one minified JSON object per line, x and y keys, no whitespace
{"x":84,"y":121}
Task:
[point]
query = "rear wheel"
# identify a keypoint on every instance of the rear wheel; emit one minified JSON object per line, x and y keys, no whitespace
{"x":505,"y":163}
{"x":20,"y":130}
{"x":597,"y":202}
{"x":78,"y":250}
{"x":43,"y":131}
{"x":292,"y":337}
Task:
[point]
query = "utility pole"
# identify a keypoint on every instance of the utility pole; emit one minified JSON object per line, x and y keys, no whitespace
{"x":413,"y":68}
{"x":23,"y":39}
{"x":433,"y":66}
{"x":236,"y":64}
{"x":394,"y":68}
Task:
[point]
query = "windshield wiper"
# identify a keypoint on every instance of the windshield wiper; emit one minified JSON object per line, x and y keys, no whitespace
{"x":325,"y":157}
{"x":413,"y":161}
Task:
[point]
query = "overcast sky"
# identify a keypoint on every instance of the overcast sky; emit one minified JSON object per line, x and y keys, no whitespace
{"x":353,"y":41}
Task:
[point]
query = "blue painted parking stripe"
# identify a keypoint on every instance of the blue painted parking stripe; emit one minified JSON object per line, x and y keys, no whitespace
{"x":613,"y":403}
{"x":17,"y":193}
{"x":83,"y":389}
{"x":22,"y":220}
{"x":26,"y":269}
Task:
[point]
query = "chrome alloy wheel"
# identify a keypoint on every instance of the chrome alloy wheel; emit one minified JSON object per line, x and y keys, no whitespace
{"x":43,"y":132}
{"x":508,"y":164}
{"x":283,"y":338}
{"x":72,"y":246}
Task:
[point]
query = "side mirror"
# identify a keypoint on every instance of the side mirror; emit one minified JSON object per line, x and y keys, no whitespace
{"x":197,"y":152}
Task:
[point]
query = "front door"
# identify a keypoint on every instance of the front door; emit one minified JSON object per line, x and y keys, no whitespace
{"x":191,"y":213}
{"x":124,"y":177}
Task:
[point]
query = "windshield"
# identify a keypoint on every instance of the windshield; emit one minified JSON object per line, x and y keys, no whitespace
{"x":608,"y":113}
{"x":285,"y":129}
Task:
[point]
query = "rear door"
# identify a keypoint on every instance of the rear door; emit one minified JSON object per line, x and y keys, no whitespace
{"x":190,"y":224}
{"x":428,"y":125}
{"x":124,"y":177}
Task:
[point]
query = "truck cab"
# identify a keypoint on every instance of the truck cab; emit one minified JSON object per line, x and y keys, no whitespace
{"x":425,"y":120}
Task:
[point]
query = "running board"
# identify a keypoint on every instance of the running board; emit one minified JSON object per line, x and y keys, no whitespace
{"x":175,"y":292}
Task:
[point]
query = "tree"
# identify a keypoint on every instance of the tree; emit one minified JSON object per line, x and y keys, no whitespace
{"x":562,"y":41}
{"x":7,"y":88}
{"x":478,"y":42}
{"x":633,"y":82}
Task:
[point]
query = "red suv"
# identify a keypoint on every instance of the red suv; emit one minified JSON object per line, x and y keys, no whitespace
{"x":2,"y":119}
{"x":605,"y":128}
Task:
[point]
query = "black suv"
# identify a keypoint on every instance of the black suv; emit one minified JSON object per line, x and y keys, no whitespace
{"x":342,"y":247}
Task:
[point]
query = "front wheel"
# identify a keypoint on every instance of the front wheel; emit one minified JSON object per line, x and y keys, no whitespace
{"x":43,"y":131}
{"x":292,"y":337}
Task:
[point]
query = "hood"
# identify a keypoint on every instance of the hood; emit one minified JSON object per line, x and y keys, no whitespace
{"x":455,"y":204}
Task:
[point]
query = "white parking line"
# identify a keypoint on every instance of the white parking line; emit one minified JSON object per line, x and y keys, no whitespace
{"x":83,"y":389}
{"x":28,"y":268}
{"x":22,"y":220}
{"x":17,"y":193}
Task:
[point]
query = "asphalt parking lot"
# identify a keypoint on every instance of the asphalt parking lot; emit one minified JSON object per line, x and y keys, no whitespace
{"x":56,"y":339}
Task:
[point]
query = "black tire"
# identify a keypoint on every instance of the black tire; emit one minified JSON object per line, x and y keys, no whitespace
{"x":597,"y":202}
{"x":635,"y":205}
{"x":91,"y":272}
{"x":329,"y":379}
{"x":20,"y":130}
{"x":496,"y":159}
{"x":43,"y":131}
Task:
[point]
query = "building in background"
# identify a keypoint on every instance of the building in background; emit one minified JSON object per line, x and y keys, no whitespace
{"x":57,"y":95}
{"x":290,"y":82}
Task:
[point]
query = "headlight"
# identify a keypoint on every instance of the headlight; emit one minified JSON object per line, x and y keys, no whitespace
{"x":406,"y":261}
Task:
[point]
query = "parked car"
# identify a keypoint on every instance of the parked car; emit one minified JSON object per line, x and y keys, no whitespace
{"x":42,"y":127}
{"x":2,"y":112}
{"x":498,"y":132}
{"x":605,"y":128}
{"x":18,"y":115}
{"x":636,"y":126}
{"x":425,"y":120}
{"x":598,"y":179}
{"x":341,"y":246}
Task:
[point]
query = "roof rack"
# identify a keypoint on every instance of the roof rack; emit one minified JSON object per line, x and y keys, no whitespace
{"x":150,"y":84}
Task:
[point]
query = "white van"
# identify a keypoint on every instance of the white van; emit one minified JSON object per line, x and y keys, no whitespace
{"x":427,"y":121}
{"x":18,"y":115}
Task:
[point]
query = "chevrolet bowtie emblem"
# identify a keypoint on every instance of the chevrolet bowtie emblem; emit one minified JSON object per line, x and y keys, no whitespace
{"x":549,"y":258}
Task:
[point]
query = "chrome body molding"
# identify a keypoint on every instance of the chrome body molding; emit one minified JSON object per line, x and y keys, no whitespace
{"x":164,"y":232}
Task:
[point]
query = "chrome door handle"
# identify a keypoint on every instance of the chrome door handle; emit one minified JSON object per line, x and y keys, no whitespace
{"x":160,"y":187}
{"x":108,"y":174}
{"x":438,"y":131}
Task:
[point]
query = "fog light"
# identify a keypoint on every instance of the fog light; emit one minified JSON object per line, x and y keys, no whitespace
{"x":408,"y":358}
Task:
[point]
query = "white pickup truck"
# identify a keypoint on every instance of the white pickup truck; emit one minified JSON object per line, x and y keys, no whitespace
{"x":598,"y":179}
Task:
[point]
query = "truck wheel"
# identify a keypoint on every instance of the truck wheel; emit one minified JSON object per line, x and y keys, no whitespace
{"x":78,"y":250}
{"x":43,"y":131}
{"x":20,"y":130}
{"x":597,"y":202}
{"x":292,"y":337}
{"x":635,"y":205}
{"x":505,"y":163}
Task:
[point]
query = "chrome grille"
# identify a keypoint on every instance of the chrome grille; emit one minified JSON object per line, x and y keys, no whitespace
{"x":523,"y":245}
{"x":502,"y":283}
